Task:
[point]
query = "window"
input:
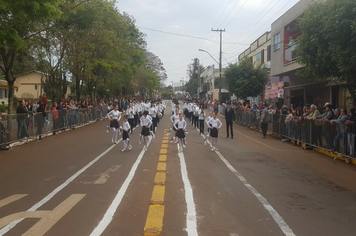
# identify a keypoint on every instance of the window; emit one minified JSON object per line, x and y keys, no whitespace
{"x":269,"y":53}
{"x":258,"y":57}
{"x":277,"y":42}
{"x":262,"y":56}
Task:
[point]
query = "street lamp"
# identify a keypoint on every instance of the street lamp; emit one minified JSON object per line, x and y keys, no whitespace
{"x":220,"y":94}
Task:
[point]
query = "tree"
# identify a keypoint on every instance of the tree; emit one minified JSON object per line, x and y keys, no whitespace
{"x":19,"y":23}
{"x":327,"y":45}
{"x":245,"y":80}
{"x":194,"y":69}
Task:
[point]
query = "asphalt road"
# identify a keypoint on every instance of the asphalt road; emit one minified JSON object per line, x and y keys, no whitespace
{"x":79,"y":183}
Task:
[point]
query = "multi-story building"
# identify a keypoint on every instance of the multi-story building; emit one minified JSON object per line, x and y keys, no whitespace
{"x":259,"y":53}
{"x":209,"y":82}
{"x":284,"y":63}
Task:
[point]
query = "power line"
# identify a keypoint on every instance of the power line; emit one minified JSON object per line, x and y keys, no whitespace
{"x":229,"y":12}
{"x":189,"y":36}
{"x":236,"y":14}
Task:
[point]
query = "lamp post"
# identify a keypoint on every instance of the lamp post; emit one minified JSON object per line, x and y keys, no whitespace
{"x":220,"y":94}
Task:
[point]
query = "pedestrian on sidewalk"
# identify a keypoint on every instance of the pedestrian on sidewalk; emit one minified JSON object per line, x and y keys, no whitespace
{"x":114,"y":116}
{"x":214,"y":125}
{"x":229,"y":118}
{"x":180,"y":126}
{"x":264,"y":120}
{"x":125,"y":134}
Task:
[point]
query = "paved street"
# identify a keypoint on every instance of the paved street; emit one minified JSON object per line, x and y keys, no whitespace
{"x":72,"y":183}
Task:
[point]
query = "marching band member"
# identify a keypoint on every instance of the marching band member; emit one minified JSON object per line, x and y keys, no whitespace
{"x":114,"y":116}
{"x":130,"y":112}
{"x":125,"y":134}
{"x":201,"y":119}
{"x":153,"y":113}
{"x":145,"y":122}
{"x":174,"y":118}
{"x":208,"y":137}
{"x":180,"y":126}
{"x":214,"y":125}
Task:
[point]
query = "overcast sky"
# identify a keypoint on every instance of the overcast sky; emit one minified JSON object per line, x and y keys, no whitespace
{"x":243,"y":20}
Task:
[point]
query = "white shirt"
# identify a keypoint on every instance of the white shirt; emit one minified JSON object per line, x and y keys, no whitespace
{"x":180,"y":124}
{"x":126,"y":126}
{"x":215,"y":123}
{"x":201,"y":114}
{"x":174,"y":118}
{"x":145,"y":121}
{"x":153,"y":112}
{"x":130,"y":112}
{"x":208,"y":119}
{"x":116,"y":115}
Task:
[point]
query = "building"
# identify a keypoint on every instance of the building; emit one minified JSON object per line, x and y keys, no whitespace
{"x":284,"y":64}
{"x":31,"y":85}
{"x":259,"y":53}
{"x":209,"y":81}
{"x":4,"y":91}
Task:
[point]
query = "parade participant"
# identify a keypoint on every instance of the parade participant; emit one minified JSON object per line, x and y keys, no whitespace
{"x":214,"y":125}
{"x":145,"y":122}
{"x":125,"y":134}
{"x":196,"y":114}
{"x":229,"y":118}
{"x":174,"y":118}
{"x":201,"y":119}
{"x":114,"y":117}
{"x":153,"y":113}
{"x":208,"y":137}
{"x":130,"y":112}
{"x":180,"y":126}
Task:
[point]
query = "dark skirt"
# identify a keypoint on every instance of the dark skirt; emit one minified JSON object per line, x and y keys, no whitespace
{"x":114,"y":124}
{"x":180,"y":133}
{"x":145,"y":131}
{"x":125,"y":135}
{"x":214,"y":133}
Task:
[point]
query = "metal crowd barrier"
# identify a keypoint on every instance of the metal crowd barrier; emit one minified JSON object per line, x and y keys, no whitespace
{"x":336,"y":137}
{"x":26,"y":126}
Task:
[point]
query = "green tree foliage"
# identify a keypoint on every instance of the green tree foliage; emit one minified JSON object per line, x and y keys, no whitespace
{"x":245,"y":80}
{"x":193,"y":83}
{"x":19,"y":24}
{"x":327,"y":46}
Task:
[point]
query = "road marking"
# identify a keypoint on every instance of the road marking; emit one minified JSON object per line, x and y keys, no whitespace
{"x":104,"y":177}
{"x":191,"y":213}
{"x":11,"y":199}
{"x":57,"y":190}
{"x":277,"y":218}
{"x":162,"y":158}
{"x":47,"y":218}
{"x":154,"y":221}
{"x":109,"y":214}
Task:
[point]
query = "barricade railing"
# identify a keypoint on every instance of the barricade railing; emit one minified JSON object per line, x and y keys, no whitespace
{"x":334,"y":136}
{"x":23,"y":126}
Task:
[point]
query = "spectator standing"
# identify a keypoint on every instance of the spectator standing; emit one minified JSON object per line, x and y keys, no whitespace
{"x":264,"y":120}
{"x":351,"y":131}
{"x":55,"y":118}
{"x":39,"y":119}
{"x":229,"y":118}
{"x":44,"y":100}
{"x":324,"y":120}
{"x":21,"y":117}
{"x":340,"y":124}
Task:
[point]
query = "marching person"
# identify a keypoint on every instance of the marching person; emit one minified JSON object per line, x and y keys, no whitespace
{"x":125,"y":134}
{"x":130,"y":112}
{"x":180,"y":125}
{"x":114,"y":116}
{"x":145,"y":122}
{"x":208,"y":137}
{"x":153,"y":113}
{"x":201,"y":119}
{"x":174,"y":118}
{"x":214,"y":125}
{"x":229,"y":118}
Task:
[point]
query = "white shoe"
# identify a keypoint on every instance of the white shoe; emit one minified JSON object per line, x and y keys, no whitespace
{"x":185,"y":146}
{"x":212,"y":149}
{"x":117,"y":142}
{"x":145,"y":148}
{"x":112,"y":140}
{"x":123,"y":150}
{"x":130,"y":148}
{"x":107,"y":129}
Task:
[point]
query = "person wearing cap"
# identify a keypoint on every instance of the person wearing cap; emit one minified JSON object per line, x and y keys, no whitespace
{"x":229,"y":118}
{"x":264,"y":120}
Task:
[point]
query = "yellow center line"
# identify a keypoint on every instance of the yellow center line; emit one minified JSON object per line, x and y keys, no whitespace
{"x":154,"y":221}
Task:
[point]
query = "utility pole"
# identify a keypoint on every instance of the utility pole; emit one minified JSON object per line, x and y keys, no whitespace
{"x":220,"y":31}
{"x":198,"y":71}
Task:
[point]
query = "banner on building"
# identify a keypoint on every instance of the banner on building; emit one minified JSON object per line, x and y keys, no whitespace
{"x":274,"y":90}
